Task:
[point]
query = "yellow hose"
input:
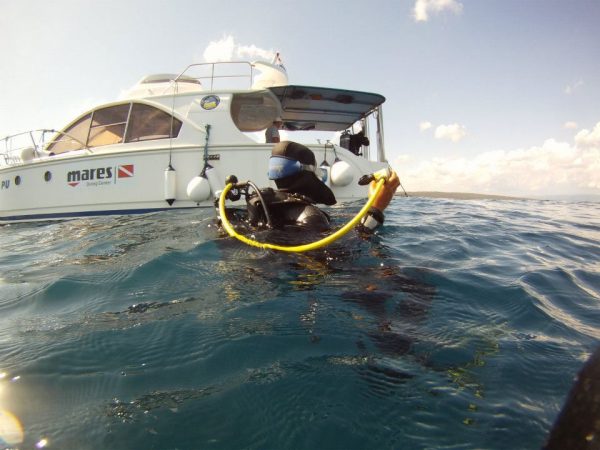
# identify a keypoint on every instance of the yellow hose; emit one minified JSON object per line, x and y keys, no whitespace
{"x":297,"y":248}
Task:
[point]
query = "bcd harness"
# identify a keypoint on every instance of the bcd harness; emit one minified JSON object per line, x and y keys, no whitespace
{"x":285,"y":208}
{"x":278,"y":199}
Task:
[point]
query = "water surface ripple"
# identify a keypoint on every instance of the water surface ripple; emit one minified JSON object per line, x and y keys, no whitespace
{"x":460,"y":325}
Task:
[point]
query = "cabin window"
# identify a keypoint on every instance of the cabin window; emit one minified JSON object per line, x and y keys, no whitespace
{"x":116,"y":124}
{"x":147,"y":122}
{"x":254,"y":111}
{"x":108,"y":125}
{"x":73,"y":138}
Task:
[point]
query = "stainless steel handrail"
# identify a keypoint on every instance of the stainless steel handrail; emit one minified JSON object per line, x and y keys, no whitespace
{"x":11,"y":155}
{"x":212,"y":76}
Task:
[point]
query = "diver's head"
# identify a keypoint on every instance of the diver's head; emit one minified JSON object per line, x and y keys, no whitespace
{"x":293,"y":167}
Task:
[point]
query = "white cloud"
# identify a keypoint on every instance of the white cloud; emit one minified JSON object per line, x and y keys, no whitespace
{"x":402,"y":160}
{"x":423,"y":8}
{"x":586,"y":138}
{"x":571,"y":125}
{"x":220,"y":50}
{"x":227,"y":49}
{"x":572,"y":87}
{"x":453,"y":132}
{"x":252,"y":51}
{"x":423,"y":126}
{"x":549,"y":169}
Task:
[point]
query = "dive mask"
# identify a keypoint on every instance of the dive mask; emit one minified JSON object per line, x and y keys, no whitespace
{"x":282,"y":167}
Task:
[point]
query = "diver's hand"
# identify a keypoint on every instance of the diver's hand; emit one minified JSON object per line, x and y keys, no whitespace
{"x":387,"y":191}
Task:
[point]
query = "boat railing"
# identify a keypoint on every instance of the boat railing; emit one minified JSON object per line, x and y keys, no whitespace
{"x":230,"y":70}
{"x":23,"y":147}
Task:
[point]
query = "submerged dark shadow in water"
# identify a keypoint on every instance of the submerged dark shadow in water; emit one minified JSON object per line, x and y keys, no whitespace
{"x":392,"y":304}
{"x":132,"y":411}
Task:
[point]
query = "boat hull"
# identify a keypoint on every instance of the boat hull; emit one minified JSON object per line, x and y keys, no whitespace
{"x":133,"y":182}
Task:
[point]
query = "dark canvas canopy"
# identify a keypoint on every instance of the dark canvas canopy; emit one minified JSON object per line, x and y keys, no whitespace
{"x":323,"y":109}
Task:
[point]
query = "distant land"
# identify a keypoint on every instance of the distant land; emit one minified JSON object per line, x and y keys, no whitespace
{"x":473,"y":196}
{"x":462,"y":195}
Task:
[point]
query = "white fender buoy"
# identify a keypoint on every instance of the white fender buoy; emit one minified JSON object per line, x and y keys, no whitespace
{"x":198,"y":189}
{"x":341,"y":173}
{"x":170,"y":184}
{"x":215,"y":180}
{"x":27,"y":154}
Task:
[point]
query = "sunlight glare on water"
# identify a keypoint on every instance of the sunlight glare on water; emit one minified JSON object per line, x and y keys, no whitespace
{"x":11,"y":431}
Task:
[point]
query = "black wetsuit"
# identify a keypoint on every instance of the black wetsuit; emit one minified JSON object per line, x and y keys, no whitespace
{"x":286,"y":208}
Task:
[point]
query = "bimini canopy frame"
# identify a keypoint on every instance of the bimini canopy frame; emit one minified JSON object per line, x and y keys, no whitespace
{"x":323,"y":109}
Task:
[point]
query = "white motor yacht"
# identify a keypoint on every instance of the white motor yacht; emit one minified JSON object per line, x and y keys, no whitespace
{"x":171,"y":141}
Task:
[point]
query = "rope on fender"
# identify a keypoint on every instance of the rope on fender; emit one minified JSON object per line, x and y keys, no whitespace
{"x":296,"y":248}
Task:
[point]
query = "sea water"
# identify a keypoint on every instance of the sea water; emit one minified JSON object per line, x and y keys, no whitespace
{"x":460,"y":325}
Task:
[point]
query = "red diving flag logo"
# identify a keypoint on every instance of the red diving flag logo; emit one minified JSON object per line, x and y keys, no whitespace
{"x":125,"y":171}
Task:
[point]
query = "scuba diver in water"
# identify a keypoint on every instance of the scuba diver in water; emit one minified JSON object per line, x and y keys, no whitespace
{"x":291,"y":207}
{"x":294,"y":169}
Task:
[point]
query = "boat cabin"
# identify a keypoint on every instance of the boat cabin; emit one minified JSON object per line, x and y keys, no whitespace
{"x":178,"y":107}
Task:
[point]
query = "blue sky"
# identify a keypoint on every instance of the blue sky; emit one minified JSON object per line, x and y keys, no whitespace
{"x":496,"y":96}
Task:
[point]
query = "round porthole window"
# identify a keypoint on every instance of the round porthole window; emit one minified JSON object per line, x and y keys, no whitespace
{"x":48,"y":176}
{"x":18,"y":180}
